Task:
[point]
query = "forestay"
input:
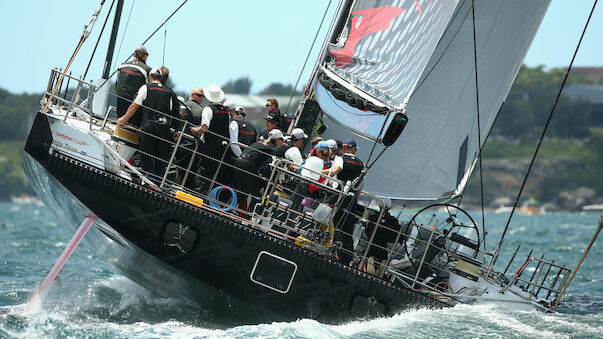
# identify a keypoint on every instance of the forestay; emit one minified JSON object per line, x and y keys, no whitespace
{"x":436,"y":153}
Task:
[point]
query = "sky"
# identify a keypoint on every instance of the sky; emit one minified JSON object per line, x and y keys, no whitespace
{"x":216,"y":41}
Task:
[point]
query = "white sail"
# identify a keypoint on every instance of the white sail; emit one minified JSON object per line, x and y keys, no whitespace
{"x":436,"y":153}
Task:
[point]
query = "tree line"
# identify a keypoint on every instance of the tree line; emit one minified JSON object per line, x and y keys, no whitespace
{"x":529,"y":103}
{"x":522,"y":117}
{"x":242,"y":85}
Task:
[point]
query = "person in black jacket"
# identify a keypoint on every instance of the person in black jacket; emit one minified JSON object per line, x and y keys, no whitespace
{"x":273,"y":120}
{"x":156,"y":101}
{"x":250,"y":164}
{"x":344,"y":218}
{"x":247,"y":132}
{"x":132,"y":75}
{"x":215,"y":119}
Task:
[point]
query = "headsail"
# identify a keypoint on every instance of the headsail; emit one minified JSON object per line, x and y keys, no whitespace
{"x":436,"y":153}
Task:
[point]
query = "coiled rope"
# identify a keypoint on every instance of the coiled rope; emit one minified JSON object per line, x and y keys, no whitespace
{"x":215,"y":203}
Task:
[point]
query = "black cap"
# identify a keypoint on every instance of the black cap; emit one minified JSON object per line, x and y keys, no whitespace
{"x":273,"y":117}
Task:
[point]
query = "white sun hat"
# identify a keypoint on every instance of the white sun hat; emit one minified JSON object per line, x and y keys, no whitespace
{"x":213,"y":93}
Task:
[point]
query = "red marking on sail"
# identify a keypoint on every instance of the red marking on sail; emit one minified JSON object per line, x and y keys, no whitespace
{"x":365,"y":22}
{"x":419,"y":5}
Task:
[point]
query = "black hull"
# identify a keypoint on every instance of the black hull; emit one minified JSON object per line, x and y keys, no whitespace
{"x":216,"y":272}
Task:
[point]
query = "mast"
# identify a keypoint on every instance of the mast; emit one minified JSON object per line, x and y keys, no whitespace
{"x":112,"y":40}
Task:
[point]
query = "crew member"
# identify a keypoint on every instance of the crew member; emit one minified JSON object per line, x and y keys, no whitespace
{"x":157,"y":103}
{"x":315,"y":142}
{"x":131,"y":76}
{"x":253,"y":158}
{"x":214,"y":130}
{"x":323,"y":151}
{"x":387,"y":229}
{"x":165,"y":76}
{"x":344,"y":218}
{"x":247,"y":132}
{"x":193,"y":108}
{"x":335,"y":147}
{"x":273,"y":120}
{"x":296,"y":139}
{"x":191,"y":113}
{"x":271,"y":105}
{"x":233,"y":130}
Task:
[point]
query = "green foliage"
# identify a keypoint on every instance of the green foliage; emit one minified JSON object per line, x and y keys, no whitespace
{"x":12,"y":176}
{"x":276,"y":88}
{"x":530,"y":101}
{"x":238,"y":86}
{"x":587,"y":173}
{"x":16,"y":114}
{"x":548,"y":149}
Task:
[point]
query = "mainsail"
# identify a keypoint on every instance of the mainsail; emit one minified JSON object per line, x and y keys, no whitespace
{"x":436,"y":153}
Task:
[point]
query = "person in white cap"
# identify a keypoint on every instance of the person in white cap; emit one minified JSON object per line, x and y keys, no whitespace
{"x":296,"y":139}
{"x":157,"y":103}
{"x":131,"y":76}
{"x":335,"y":148}
{"x":233,"y":129}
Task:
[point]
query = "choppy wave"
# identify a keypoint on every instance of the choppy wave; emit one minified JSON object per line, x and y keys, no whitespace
{"x":89,"y":299}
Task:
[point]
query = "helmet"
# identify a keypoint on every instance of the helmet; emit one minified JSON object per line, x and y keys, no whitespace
{"x":229,"y":104}
{"x":312,"y":165}
{"x":156,"y":73}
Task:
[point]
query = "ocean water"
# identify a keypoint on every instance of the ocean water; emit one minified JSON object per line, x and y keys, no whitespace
{"x":90,"y":299}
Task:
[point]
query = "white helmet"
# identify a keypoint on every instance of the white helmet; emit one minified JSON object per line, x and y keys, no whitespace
{"x":229,"y":105}
{"x":312,"y":165}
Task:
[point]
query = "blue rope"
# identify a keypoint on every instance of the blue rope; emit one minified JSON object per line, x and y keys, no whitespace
{"x":213,"y":198}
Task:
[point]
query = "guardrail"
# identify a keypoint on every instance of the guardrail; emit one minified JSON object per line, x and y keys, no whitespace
{"x":178,"y":174}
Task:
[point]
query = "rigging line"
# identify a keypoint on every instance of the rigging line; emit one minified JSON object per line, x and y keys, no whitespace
{"x":308,"y":55}
{"x":144,"y":42}
{"x":125,"y":30}
{"x":525,"y":179}
{"x":164,"y":41}
{"x":165,"y":22}
{"x":375,"y":144}
{"x":479,"y":130}
{"x":98,"y":40}
{"x":377,"y":158}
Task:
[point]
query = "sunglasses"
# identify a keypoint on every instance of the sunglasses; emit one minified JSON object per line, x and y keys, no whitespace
{"x":199,"y":95}
{"x":268,"y":105}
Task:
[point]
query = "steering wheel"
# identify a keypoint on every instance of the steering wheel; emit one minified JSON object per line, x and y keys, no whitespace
{"x":452,"y":228}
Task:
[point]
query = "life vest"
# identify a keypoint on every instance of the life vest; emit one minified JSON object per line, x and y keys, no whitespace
{"x":158,"y":100}
{"x":285,"y":122}
{"x":218,"y":125}
{"x":257,"y":155}
{"x":280,"y":151}
{"x":247,"y":133}
{"x":132,"y":75}
{"x":352,"y":167}
{"x":326,"y":165}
